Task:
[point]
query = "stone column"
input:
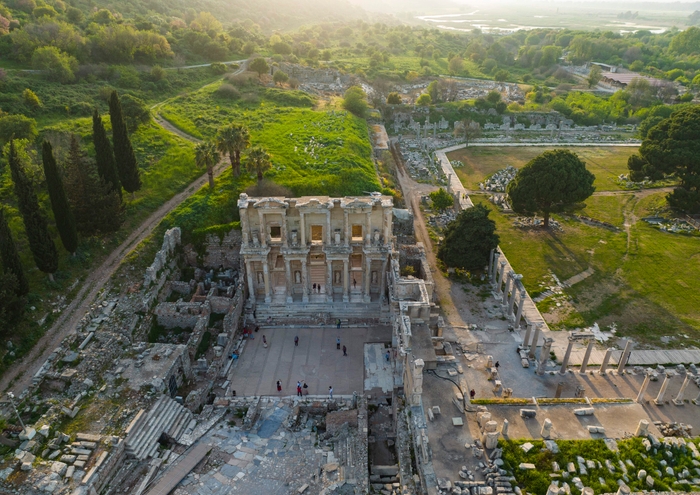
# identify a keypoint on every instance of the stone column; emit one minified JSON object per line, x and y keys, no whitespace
{"x":368,"y":278}
{"x":329,"y":280}
{"x":493,"y":275}
{"x":586,"y":357}
{"x":263,"y":231}
{"x":328,"y":228}
{"x":535,"y":339}
{"x":642,"y":428}
{"x":679,"y":398}
{"x":249,"y":276}
{"x":526,"y":340}
{"x":382,"y":280}
{"x":696,"y":400}
{"x":521,"y":304}
{"x":285,"y":240}
{"x":623,"y":358}
{"x":643,"y":388}
{"x":304,"y":282}
{"x":346,"y":281}
{"x":504,"y":430}
{"x":417,"y":373}
{"x":266,"y":276}
{"x":302,"y":228}
{"x":288,"y":275}
{"x":500,"y":277}
{"x":511,"y":303}
{"x":506,"y":289}
{"x":565,"y":361}
{"x":346,"y":228}
{"x":245,"y":228}
{"x":660,"y":398}
{"x":387,"y":225}
{"x":606,"y":359}
{"x":544,"y":355}
{"x":368,"y":232}
{"x":491,"y":264}
{"x":547,"y":428}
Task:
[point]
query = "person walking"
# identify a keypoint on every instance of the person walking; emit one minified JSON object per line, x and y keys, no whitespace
{"x":387,"y":356}
{"x":337,"y":343}
{"x":354,"y":283}
{"x":330,"y":392}
{"x":305,"y":387}
{"x":497,"y":364}
{"x":345,"y":351}
{"x":264,"y":342}
{"x":314,"y":287}
{"x":296,"y":340}
{"x":472,"y":394}
{"x":299,"y":389}
{"x":337,"y":324}
{"x":279,"y":386}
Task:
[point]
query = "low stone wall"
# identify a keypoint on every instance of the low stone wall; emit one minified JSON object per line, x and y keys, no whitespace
{"x":171,"y":240}
{"x":182,"y":314}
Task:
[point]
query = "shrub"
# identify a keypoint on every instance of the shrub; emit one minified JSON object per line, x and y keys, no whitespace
{"x":441,"y":199}
{"x":59,"y":66}
{"x":81,"y":109}
{"x":31,"y":99}
{"x":218,"y":68}
{"x":228,"y":91}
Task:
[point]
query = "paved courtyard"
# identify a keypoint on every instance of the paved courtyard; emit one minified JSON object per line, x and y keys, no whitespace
{"x":315,"y":360}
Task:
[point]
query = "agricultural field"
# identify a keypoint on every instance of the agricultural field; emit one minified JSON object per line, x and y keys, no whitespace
{"x":643,"y":277}
{"x":313,"y":152}
{"x":400,"y":66}
{"x":606,"y":163}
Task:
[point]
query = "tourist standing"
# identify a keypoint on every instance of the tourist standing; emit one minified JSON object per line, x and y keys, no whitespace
{"x":337,"y":324}
{"x":345,"y":351}
{"x":264,"y":342}
{"x":472,"y":394}
{"x":296,"y":340}
{"x":330,"y":392}
{"x":299,"y":389}
{"x":279,"y":386}
{"x":306,"y":388}
{"x":337,"y":343}
{"x":387,"y":355}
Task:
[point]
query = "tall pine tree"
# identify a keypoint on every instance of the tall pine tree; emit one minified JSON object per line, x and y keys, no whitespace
{"x":10,"y":257}
{"x":65,"y":221}
{"x":95,"y":206}
{"x":40,"y":242}
{"x":123,"y":152}
{"x":104,"y":155}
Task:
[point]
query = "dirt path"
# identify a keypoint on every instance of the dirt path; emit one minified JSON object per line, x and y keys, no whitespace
{"x":20,"y":375}
{"x":449,"y":296}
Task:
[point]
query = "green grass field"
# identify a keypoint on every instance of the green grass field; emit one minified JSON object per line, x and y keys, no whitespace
{"x":606,"y":163}
{"x":313,"y":152}
{"x":642,"y":282}
{"x":401,"y":65}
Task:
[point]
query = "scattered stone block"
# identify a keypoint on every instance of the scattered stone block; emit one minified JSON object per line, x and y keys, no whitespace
{"x":526,"y":466}
{"x":44,"y":431}
{"x":27,"y":434}
{"x":584,"y":411}
{"x":527,"y":446}
{"x":528,"y":413}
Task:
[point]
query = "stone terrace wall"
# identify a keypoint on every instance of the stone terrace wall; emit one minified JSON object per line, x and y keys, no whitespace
{"x":218,"y":252}
{"x":182,"y":314}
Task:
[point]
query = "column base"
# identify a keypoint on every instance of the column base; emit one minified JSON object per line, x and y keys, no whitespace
{"x":346,"y":298}
{"x":366,"y":299}
{"x":696,"y":402}
{"x":329,"y":298}
{"x":658,"y":402}
{"x":602,"y":373}
{"x":678,"y":402}
{"x":268,"y":299}
{"x":305,"y":298}
{"x":290,"y":299}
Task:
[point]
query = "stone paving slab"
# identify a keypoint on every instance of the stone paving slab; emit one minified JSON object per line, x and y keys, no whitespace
{"x":315,"y":360}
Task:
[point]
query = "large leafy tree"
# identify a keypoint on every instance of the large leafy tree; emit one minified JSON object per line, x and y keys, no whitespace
{"x":104,"y":156}
{"x":673,"y":146}
{"x":10,"y":258}
{"x":207,"y":156}
{"x":259,"y":65}
{"x":258,"y":162}
{"x":231,"y":141}
{"x":40,"y":242}
{"x":355,"y":101}
{"x":469,"y":239}
{"x":123,"y":151}
{"x":62,"y":213}
{"x":549,"y":182}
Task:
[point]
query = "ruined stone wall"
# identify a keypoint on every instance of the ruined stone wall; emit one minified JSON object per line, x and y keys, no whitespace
{"x":220,"y":304}
{"x":182,"y":314}
{"x":171,"y":240}
{"x":218,"y":252}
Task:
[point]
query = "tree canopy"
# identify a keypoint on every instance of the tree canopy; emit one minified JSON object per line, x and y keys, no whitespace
{"x":441,"y":199}
{"x":355,"y":101}
{"x":673,"y":146}
{"x":549,"y":182}
{"x":469,"y":240}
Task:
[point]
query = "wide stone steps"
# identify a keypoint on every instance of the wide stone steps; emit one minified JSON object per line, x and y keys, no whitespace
{"x":311,"y":311}
{"x":166,"y":416}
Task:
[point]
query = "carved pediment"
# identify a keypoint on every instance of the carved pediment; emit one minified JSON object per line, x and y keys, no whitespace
{"x":267,"y":203}
{"x":314,"y":203}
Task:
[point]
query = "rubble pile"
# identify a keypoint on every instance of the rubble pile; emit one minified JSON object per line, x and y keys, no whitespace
{"x":498,"y":181}
{"x":534,"y":222}
{"x":674,"y":429}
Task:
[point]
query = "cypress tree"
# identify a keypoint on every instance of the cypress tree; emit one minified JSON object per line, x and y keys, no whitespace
{"x":95,"y":206}
{"x":10,"y":257}
{"x":104,"y":155}
{"x":40,"y":242}
{"x":65,"y":221}
{"x":123,"y":152}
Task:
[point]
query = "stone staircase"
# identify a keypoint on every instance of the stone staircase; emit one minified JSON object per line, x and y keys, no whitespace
{"x":321,"y":312}
{"x":165,"y":417}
